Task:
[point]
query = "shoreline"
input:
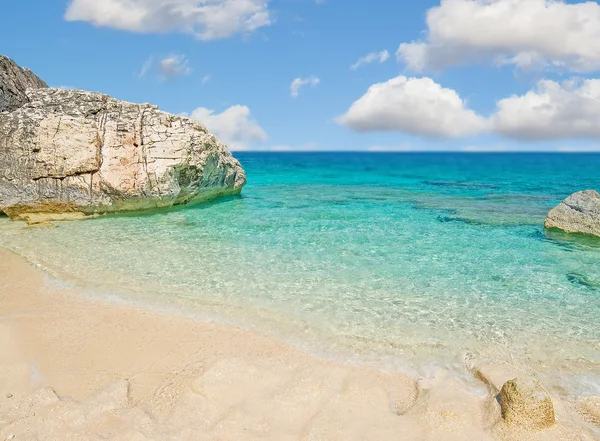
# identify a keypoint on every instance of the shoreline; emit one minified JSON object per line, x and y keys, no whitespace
{"x":122,"y":372}
{"x":578,"y":379}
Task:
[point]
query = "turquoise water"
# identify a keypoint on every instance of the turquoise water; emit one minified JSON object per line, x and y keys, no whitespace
{"x":395,"y":260}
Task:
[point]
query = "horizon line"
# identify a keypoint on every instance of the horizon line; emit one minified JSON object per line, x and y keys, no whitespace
{"x":559,"y":152}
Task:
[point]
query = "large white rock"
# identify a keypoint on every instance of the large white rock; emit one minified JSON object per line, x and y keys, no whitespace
{"x":70,"y":153}
{"x":579,"y":213}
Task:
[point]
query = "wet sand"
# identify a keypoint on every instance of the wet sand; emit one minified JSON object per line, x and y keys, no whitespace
{"x":72,"y":368}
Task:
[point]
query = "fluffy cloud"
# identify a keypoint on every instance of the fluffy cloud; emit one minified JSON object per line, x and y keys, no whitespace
{"x":235,"y":126}
{"x":299,"y":82}
{"x":174,"y":65}
{"x":381,"y":57}
{"x":421,"y":107}
{"x":206,"y":19}
{"x":417,"y":106}
{"x":551,"y":111}
{"x":525,"y":33}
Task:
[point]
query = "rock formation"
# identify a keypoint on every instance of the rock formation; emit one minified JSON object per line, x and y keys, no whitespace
{"x":526,"y":404}
{"x":579,"y":213}
{"x":70,"y":153}
{"x":14,"y":81}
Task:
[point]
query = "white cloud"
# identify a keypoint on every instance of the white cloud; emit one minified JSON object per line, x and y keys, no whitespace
{"x":234,"y":126}
{"x":146,"y":67}
{"x":381,"y":57}
{"x":299,"y":82}
{"x":206,"y":78}
{"x":551,"y":111}
{"x":205,"y":19}
{"x":417,"y":106}
{"x":174,"y":65}
{"x":525,"y":33}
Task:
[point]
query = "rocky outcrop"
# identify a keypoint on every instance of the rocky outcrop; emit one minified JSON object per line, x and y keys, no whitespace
{"x":14,"y":81}
{"x":526,"y":404}
{"x":69,"y":153}
{"x":579,"y":213}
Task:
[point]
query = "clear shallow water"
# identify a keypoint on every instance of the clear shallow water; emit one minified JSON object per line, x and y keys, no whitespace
{"x":397,"y":260}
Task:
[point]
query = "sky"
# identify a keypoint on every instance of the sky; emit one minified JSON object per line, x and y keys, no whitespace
{"x":381,"y":75}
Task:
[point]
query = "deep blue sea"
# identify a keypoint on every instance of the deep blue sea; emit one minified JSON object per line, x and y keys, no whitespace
{"x":395,"y":260}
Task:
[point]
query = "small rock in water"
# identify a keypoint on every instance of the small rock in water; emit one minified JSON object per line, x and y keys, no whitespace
{"x":581,"y":279}
{"x":579,"y":213}
{"x":525,"y":403}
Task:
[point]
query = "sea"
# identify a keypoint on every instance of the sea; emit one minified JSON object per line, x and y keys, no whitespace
{"x":396,"y":261}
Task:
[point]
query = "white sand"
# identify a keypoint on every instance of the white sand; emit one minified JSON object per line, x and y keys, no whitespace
{"x":75,"y":369}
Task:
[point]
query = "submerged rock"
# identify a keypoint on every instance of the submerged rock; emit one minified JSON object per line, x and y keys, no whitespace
{"x":71,"y":153}
{"x":579,"y":213}
{"x":14,"y":81}
{"x":526,"y":404}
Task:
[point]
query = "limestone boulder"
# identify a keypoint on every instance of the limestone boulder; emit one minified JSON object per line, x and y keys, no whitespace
{"x":579,"y":213}
{"x":71,"y":153}
{"x":526,"y":404}
{"x":14,"y":81}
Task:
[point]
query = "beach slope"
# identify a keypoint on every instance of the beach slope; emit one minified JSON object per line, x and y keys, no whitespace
{"x":74,"y":368}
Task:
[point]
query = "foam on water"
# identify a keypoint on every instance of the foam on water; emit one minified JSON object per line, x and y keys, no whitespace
{"x":395,"y":260}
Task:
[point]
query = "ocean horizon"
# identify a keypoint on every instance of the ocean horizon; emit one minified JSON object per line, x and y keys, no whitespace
{"x":397,"y":260}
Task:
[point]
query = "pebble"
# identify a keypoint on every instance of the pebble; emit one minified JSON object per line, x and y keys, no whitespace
{"x":9,"y":395}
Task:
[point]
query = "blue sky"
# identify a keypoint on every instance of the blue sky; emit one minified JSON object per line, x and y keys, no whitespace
{"x":231,"y":64}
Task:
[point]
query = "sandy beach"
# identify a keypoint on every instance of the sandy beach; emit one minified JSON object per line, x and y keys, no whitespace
{"x":73,"y":368}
